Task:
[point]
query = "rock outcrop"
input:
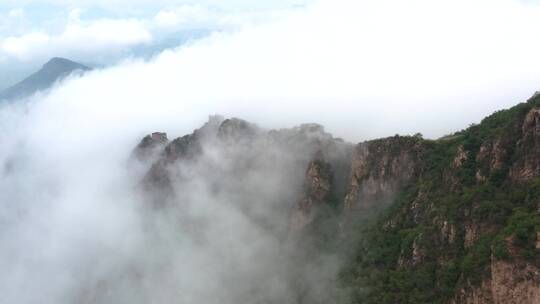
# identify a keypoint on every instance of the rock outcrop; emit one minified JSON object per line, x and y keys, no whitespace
{"x":491,"y":159}
{"x":380,"y":168}
{"x":528,"y":166}
{"x":509,"y":282}
{"x":149,"y":145}
{"x":317,"y":191}
{"x":243,"y":144}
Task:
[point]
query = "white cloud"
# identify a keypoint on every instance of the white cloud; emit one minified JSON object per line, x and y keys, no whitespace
{"x":16,"y":13}
{"x":74,"y":15}
{"x":362,"y":68}
{"x":112,"y":38}
{"x":199,"y":16}
{"x":105,"y":35}
{"x":184,"y":15}
{"x":123,"y":5}
{"x":21,"y":47}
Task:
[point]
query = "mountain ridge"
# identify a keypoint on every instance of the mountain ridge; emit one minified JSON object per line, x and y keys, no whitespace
{"x":454,"y":220}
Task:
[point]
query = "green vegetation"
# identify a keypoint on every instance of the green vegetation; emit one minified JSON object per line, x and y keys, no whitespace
{"x":469,"y":213}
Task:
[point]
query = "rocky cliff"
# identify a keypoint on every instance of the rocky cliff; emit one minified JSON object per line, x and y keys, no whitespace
{"x":453,"y":220}
{"x":379,"y":168}
{"x":463,"y":224}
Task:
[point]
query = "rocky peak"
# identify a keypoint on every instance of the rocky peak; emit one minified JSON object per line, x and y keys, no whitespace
{"x":159,"y":137}
{"x":149,"y":144}
{"x":312,"y":130}
{"x":51,"y":72}
{"x":235,"y":129}
{"x":210,"y":129}
{"x":183,"y":147}
{"x":57,"y":64}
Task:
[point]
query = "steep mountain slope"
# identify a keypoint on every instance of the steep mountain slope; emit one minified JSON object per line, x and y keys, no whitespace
{"x":54,"y":70}
{"x":464,"y":229}
{"x":454,"y":220}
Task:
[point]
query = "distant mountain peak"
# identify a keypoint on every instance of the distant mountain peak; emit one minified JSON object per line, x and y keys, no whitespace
{"x":63,"y":62}
{"x":54,"y":70}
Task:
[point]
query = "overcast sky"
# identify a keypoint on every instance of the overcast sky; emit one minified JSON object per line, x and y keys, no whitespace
{"x":363,"y":68}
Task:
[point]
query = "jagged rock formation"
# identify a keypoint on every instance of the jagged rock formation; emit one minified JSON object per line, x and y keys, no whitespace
{"x":462,"y":219}
{"x":317,"y":190}
{"x":245,"y":144}
{"x":149,"y":144}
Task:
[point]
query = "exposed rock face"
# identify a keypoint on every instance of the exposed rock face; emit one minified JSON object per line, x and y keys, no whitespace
{"x":514,"y":282}
{"x":317,"y":190}
{"x":491,"y":158}
{"x":480,"y":295}
{"x":380,"y":168}
{"x":528,"y":166}
{"x":461,"y":157}
{"x":448,"y":233}
{"x":473,"y":231}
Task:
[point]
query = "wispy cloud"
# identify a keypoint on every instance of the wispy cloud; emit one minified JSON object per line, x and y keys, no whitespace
{"x":98,"y":39}
{"x":77,"y":38}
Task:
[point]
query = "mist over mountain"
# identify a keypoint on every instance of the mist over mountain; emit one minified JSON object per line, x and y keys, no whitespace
{"x":393,"y":220}
{"x":364,"y":152}
{"x":236,"y":213}
{"x":53,"y":71}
